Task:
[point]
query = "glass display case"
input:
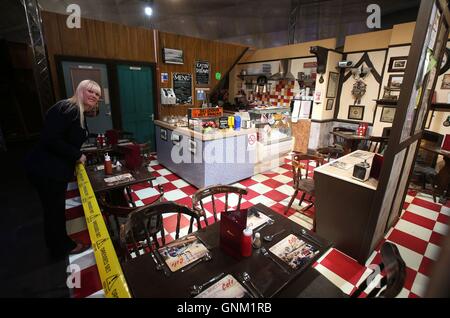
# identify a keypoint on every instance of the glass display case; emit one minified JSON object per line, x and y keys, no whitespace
{"x":273,"y":123}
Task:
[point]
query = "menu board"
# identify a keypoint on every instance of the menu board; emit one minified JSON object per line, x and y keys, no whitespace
{"x":205,"y":112}
{"x":182,"y":87}
{"x":202,"y":73}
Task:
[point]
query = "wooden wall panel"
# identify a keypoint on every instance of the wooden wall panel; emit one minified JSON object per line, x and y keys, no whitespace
{"x":221,"y":57}
{"x":98,"y":39}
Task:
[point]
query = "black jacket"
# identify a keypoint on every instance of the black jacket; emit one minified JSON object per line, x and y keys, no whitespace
{"x":58,"y":150}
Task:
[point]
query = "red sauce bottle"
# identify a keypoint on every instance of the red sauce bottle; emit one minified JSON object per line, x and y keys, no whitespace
{"x":246,"y":242}
{"x":108,"y":164}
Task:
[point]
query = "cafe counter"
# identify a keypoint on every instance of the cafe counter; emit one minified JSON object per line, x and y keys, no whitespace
{"x":203,"y":159}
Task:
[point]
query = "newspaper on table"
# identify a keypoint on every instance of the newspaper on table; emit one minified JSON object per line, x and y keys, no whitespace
{"x":255,"y":220}
{"x":294,"y":251}
{"x":119,"y":179}
{"x":227,"y":287}
{"x":182,"y":252}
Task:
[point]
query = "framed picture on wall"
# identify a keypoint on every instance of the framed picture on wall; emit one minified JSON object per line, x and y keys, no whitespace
{"x":397,"y":64}
{"x":387,"y":115}
{"x":446,"y":82}
{"x":329,"y":104}
{"x":395,"y":82}
{"x":356,"y":112}
{"x":172,"y":56}
{"x":333,"y":81}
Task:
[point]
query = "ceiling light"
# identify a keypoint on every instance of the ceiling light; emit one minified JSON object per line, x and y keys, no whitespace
{"x":148,"y":11}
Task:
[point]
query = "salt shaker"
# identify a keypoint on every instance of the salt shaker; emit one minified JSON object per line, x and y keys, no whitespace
{"x":257,"y":240}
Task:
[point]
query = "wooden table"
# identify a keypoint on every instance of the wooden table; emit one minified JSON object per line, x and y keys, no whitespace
{"x":343,"y":205}
{"x":443,"y":176}
{"x":97,"y":179}
{"x":97,"y":153}
{"x":145,"y":281}
{"x":352,"y":140}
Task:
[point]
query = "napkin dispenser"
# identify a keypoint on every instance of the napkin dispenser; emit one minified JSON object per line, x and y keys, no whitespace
{"x":168,"y":96}
{"x":361,"y":171}
{"x":232,"y":224}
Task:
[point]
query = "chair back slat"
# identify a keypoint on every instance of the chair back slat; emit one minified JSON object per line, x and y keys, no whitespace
{"x":210,"y":191}
{"x":226,"y":202}
{"x":141,"y":224}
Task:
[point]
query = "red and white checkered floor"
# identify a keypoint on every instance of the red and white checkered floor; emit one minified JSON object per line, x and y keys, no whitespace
{"x":418,"y":234}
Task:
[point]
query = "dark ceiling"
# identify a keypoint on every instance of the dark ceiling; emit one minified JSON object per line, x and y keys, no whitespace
{"x":258,"y":23}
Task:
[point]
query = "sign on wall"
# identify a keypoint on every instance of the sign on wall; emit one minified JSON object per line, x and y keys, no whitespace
{"x":202,"y":73}
{"x":182,"y":87}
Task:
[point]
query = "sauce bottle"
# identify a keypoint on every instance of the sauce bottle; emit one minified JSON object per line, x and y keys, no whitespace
{"x":246,"y":242}
{"x":108,"y":164}
{"x":257,"y":240}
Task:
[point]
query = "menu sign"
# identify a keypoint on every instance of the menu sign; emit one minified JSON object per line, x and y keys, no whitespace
{"x":205,"y":112}
{"x":182,"y":87}
{"x":202,"y":73}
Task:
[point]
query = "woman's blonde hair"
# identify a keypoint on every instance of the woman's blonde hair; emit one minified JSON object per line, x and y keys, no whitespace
{"x":78,"y":96}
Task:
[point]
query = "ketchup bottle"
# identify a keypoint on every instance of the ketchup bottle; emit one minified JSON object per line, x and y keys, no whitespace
{"x":246,"y":242}
{"x":108,"y":164}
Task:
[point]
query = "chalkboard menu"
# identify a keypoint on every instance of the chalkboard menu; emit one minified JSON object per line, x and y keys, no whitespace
{"x":202,"y":73}
{"x":182,"y":87}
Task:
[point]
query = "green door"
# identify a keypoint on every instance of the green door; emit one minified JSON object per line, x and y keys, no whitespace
{"x":137,"y":103}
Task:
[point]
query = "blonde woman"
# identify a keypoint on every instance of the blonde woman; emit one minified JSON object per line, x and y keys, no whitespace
{"x":51,"y":164}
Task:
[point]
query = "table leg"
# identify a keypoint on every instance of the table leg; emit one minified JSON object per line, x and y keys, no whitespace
{"x":130,"y":198}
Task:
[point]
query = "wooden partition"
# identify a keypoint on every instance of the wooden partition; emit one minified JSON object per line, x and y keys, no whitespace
{"x":111,"y":41}
{"x":221,"y":57}
{"x":95,"y":39}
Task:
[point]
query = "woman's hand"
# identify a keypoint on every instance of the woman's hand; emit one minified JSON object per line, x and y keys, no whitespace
{"x":82,"y":159}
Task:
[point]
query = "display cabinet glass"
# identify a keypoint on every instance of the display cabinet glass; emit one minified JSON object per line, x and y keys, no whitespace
{"x":273,"y":123}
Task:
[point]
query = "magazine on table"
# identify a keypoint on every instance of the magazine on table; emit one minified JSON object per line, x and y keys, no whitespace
{"x":227,"y":287}
{"x":294,"y":251}
{"x":182,"y":252}
{"x":341,"y":165}
{"x":256,"y":219}
{"x":126,"y":177}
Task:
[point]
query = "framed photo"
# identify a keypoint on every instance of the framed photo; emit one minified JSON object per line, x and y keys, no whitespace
{"x":173,"y":56}
{"x":329,"y":104}
{"x":333,"y":81}
{"x":446,"y":82}
{"x":395,"y":82}
{"x":356,"y":112}
{"x":387,"y":114}
{"x":397,"y":64}
{"x":163,"y":134}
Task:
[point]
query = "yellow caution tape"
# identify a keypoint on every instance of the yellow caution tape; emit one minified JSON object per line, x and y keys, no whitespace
{"x":111,"y":275}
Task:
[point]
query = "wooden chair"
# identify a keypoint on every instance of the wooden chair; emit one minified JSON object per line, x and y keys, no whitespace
{"x":377,"y":144}
{"x":393,"y":281}
{"x":142,"y":227}
{"x":302,"y":182}
{"x":201,"y":194}
{"x":335,"y":150}
{"x":119,"y":208}
{"x":395,"y":274}
{"x":424,"y":168}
